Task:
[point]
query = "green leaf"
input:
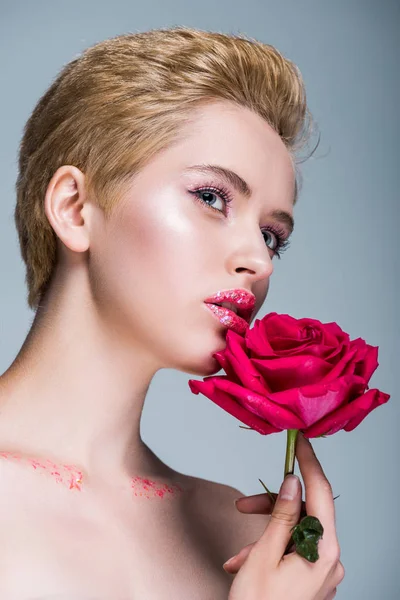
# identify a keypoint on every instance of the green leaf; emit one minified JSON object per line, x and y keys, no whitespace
{"x":297,"y":535}
{"x":308,"y":550}
{"x":306,"y":536}
{"x":310,"y":522}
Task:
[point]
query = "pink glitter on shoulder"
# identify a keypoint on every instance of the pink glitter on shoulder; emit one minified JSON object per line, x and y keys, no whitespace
{"x":151,"y":489}
{"x":67,"y":475}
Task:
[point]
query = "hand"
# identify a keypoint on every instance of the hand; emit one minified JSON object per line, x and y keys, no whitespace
{"x":258,"y":504}
{"x":263,"y":570}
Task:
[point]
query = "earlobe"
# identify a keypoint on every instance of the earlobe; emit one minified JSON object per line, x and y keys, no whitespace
{"x":65,"y":204}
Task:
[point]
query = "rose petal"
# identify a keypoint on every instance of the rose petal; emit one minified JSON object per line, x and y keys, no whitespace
{"x":345,"y":366}
{"x":227,"y":403}
{"x":366,"y":367}
{"x":368,"y":404}
{"x":313,"y":402}
{"x":238,"y":362}
{"x":223,"y":360}
{"x":324,"y":339}
{"x":361,"y":347}
{"x":296,"y":371}
{"x":287,"y":347}
{"x":260,"y":405}
{"x":334,"y":335}
{"x":281,"y":325}
{"x":261,"y":337}
{"x":225,"y":364}
{"x":282,"y":335}
{"x":257,"y":341}
{"x":290,"y":348}
{"x":350,"y":415}
{"x":337,"y":353}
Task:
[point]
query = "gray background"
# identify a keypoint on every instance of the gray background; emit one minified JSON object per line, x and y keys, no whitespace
{"x":343,"y":264}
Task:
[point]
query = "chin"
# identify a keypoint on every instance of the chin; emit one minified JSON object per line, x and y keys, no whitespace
{"x":202,"y":370}
{"x":202,"y":364}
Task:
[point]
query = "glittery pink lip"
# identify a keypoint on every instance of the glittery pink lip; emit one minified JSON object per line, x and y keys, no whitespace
{"x":239,"y":296}
{"x":244,"y":302}
{"x":151,"y":489}
{"x":229,"y":318}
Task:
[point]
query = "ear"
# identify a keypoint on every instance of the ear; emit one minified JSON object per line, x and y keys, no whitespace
{"x":66,"y":207}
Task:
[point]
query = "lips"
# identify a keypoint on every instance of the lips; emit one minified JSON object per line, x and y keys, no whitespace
{"x":241,"y":300}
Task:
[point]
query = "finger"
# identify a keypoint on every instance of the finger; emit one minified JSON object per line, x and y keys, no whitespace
{"x":319,"y":497}
{"x":258,"y":504}
{"x":233,"y":565}
{"x":273,"y":543}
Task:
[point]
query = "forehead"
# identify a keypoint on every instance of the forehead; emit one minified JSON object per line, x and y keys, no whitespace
{"x":238,"y":139}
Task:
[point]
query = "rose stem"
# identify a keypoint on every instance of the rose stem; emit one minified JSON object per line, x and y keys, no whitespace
{"x":290,"y":451}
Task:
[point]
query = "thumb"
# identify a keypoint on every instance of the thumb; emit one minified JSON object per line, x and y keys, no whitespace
{"x":285,"y":515}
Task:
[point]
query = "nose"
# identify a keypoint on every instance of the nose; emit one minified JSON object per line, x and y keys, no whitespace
{"x":253,"y":258}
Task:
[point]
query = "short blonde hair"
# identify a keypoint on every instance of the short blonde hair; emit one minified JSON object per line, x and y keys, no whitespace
{"x":111,"y":109}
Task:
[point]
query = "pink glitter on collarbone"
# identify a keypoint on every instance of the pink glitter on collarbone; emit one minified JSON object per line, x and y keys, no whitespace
{"x":67,"y":475}
{"x":72,"y":477}
{"x":151,"y":489}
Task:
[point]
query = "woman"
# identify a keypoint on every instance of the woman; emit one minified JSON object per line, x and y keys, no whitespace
{"x":157,"y":171}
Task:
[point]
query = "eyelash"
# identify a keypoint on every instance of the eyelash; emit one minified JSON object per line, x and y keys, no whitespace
{"x":225,"y":195}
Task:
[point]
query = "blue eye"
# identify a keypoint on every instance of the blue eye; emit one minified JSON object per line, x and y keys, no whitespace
{"x":208,"y":195}
{"x":210,"y":198}
{"x":272,"y":236}
{"x":280,"y":244}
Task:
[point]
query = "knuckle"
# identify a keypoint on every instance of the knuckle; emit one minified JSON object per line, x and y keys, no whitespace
{"x":321,"y":484}
{"x":332,"y":556}
{"x":325,"y":485}
{"x":340,"y":572}
{"x":283,"y":518}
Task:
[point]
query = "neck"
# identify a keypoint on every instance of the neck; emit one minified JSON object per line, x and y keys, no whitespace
{"x":76,"y":391}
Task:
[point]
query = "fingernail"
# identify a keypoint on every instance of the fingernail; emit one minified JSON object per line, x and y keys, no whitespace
{"x":228,"y":562}
{"x":289,"y":487}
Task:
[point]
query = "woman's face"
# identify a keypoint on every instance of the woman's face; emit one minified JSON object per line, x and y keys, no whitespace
{"x":186,"y":228}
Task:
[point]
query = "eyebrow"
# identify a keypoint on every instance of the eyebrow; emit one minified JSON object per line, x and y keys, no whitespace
{"x":241,"y":186}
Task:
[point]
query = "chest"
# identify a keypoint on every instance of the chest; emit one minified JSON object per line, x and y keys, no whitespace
{"x":156,"y":551}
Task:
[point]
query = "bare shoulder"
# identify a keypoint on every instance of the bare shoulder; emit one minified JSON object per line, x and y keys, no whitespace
{"x":215,"y":503}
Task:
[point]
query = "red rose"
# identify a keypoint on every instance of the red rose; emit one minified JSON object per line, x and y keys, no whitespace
{"x":291,"y":373}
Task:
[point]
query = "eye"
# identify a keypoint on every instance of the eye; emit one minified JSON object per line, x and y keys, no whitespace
{"x":271,"y":239}
{"x":275,"y":240}
{"x":212,"y":197}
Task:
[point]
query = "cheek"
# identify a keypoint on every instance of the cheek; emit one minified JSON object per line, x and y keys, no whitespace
{"x":170,"y":236}
{"x":151,"y":248}
{"x":151,"y":272}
